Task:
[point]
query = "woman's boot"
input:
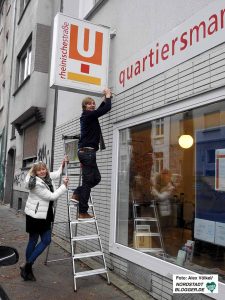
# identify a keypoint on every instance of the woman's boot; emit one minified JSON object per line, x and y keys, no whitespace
{"x":31,"y":274}
{"x":27,"y":272}
{"x":23,"y":272}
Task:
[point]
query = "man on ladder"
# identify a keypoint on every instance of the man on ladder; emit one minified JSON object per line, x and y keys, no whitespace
{"x":90,"y":138}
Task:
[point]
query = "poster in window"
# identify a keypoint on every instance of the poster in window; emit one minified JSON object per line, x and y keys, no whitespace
{"x":210,"y":184}
{"x":220,"y":170}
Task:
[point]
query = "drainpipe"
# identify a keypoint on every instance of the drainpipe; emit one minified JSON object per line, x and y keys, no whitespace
{"x":9,"y":95}
{"x":55,"y":113}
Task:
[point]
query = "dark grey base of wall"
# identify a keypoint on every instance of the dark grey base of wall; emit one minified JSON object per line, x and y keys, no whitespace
{"x":139,"y":276}
{"x":19,"y":200}
{"x":190,"y":297}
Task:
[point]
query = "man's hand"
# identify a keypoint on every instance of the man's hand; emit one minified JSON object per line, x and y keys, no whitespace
{"x":66,"y":181}
{"x":107,"y":92}
{"x":65,"y":160}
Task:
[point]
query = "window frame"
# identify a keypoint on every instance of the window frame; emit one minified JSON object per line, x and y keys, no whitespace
{"x":24,"y":60}
{"x":29,"y":160}
{"x":23,"y":4}
{"x":152,"y":263}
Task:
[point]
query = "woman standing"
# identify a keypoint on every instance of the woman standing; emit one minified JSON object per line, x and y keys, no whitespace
{"x":39,"y":211}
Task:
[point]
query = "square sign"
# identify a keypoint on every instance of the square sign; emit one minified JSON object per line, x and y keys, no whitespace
{"x":80,"y":55}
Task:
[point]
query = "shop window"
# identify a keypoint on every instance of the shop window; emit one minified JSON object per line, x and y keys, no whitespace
{"x":171,"y":197}
{"x":24,"y":63}
{"x":211,"y":121}
{"x":30,"y":144}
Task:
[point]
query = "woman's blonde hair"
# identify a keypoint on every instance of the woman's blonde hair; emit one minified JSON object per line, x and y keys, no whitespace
{"x":37,"y":166}
{"x":86,"y":101}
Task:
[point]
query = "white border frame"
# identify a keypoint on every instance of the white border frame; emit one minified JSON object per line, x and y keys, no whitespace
{"x":152,"y":263}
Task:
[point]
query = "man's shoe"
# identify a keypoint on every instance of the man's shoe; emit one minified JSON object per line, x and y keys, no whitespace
{"x":85,"y":216}
{"x":75,"y":198}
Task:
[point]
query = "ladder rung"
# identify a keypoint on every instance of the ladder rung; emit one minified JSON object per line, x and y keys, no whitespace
{"x":144,"y":204}
{"x":71,"y":202}
{"x":146,"y":233}
{"x":70,"y":137}
{"x":88,"y":254}
{"x":73,"y":174}
{"x":89,"y":273}
{"x":72,"y":166}
{"x":145,"y":219}
{"x":149,"y":249}
{"x":83,"y":221}
{"x":84,"y":237}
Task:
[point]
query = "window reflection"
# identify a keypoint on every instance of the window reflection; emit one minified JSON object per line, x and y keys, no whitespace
{"x":167,"y":199}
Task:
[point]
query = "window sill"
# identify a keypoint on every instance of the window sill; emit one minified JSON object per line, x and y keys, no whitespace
{"x":23,"y":12}
{"x":21,"y":85}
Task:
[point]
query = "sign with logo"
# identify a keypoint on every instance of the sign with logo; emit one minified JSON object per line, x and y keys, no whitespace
{"x":80,"y":54}
{"x":201,"y":32}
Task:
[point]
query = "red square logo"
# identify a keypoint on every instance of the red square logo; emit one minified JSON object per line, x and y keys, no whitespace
{"x":85,"y":68}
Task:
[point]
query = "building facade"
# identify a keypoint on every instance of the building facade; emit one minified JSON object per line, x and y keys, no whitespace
{"x":28,"y":111}
{"x":160,"y":202}
{"x":158,"y":206}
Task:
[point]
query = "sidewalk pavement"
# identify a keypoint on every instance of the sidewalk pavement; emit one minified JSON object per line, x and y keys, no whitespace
{"x":54,"y":281}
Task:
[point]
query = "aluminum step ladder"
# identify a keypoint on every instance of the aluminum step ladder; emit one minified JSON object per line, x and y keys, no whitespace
{"x":142,"y":227}
{"x":79,"y":231}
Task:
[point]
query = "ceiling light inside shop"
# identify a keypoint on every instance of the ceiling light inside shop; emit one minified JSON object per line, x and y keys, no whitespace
{"x":185,"y":141}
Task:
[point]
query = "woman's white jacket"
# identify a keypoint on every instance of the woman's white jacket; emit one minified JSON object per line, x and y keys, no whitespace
{"x":39,"y":197}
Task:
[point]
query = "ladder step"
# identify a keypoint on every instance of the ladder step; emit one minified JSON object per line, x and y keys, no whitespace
{"x":84,"y":237}
{"x":146,"y":234}
{"x":144,"y":204}
{"x":71,"y":202}
{"x":73,"y":165}
{"x":73,"y":174}
{"x":150,"y":250}
{"x":145,"y":219}
{"x":71,"y":137}
{"x":88,"y":254}
{"x":89,"y":273}
{"x":83,"y":221}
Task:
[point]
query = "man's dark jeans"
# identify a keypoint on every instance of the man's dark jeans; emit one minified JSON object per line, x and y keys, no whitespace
{"x":90,"y":178}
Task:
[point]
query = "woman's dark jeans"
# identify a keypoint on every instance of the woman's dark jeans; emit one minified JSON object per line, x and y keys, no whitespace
{"x":90,"y":178}
{"x":33,"y":249}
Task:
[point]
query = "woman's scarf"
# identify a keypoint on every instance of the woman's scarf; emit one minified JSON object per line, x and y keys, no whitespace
{"x":47,"y":180}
